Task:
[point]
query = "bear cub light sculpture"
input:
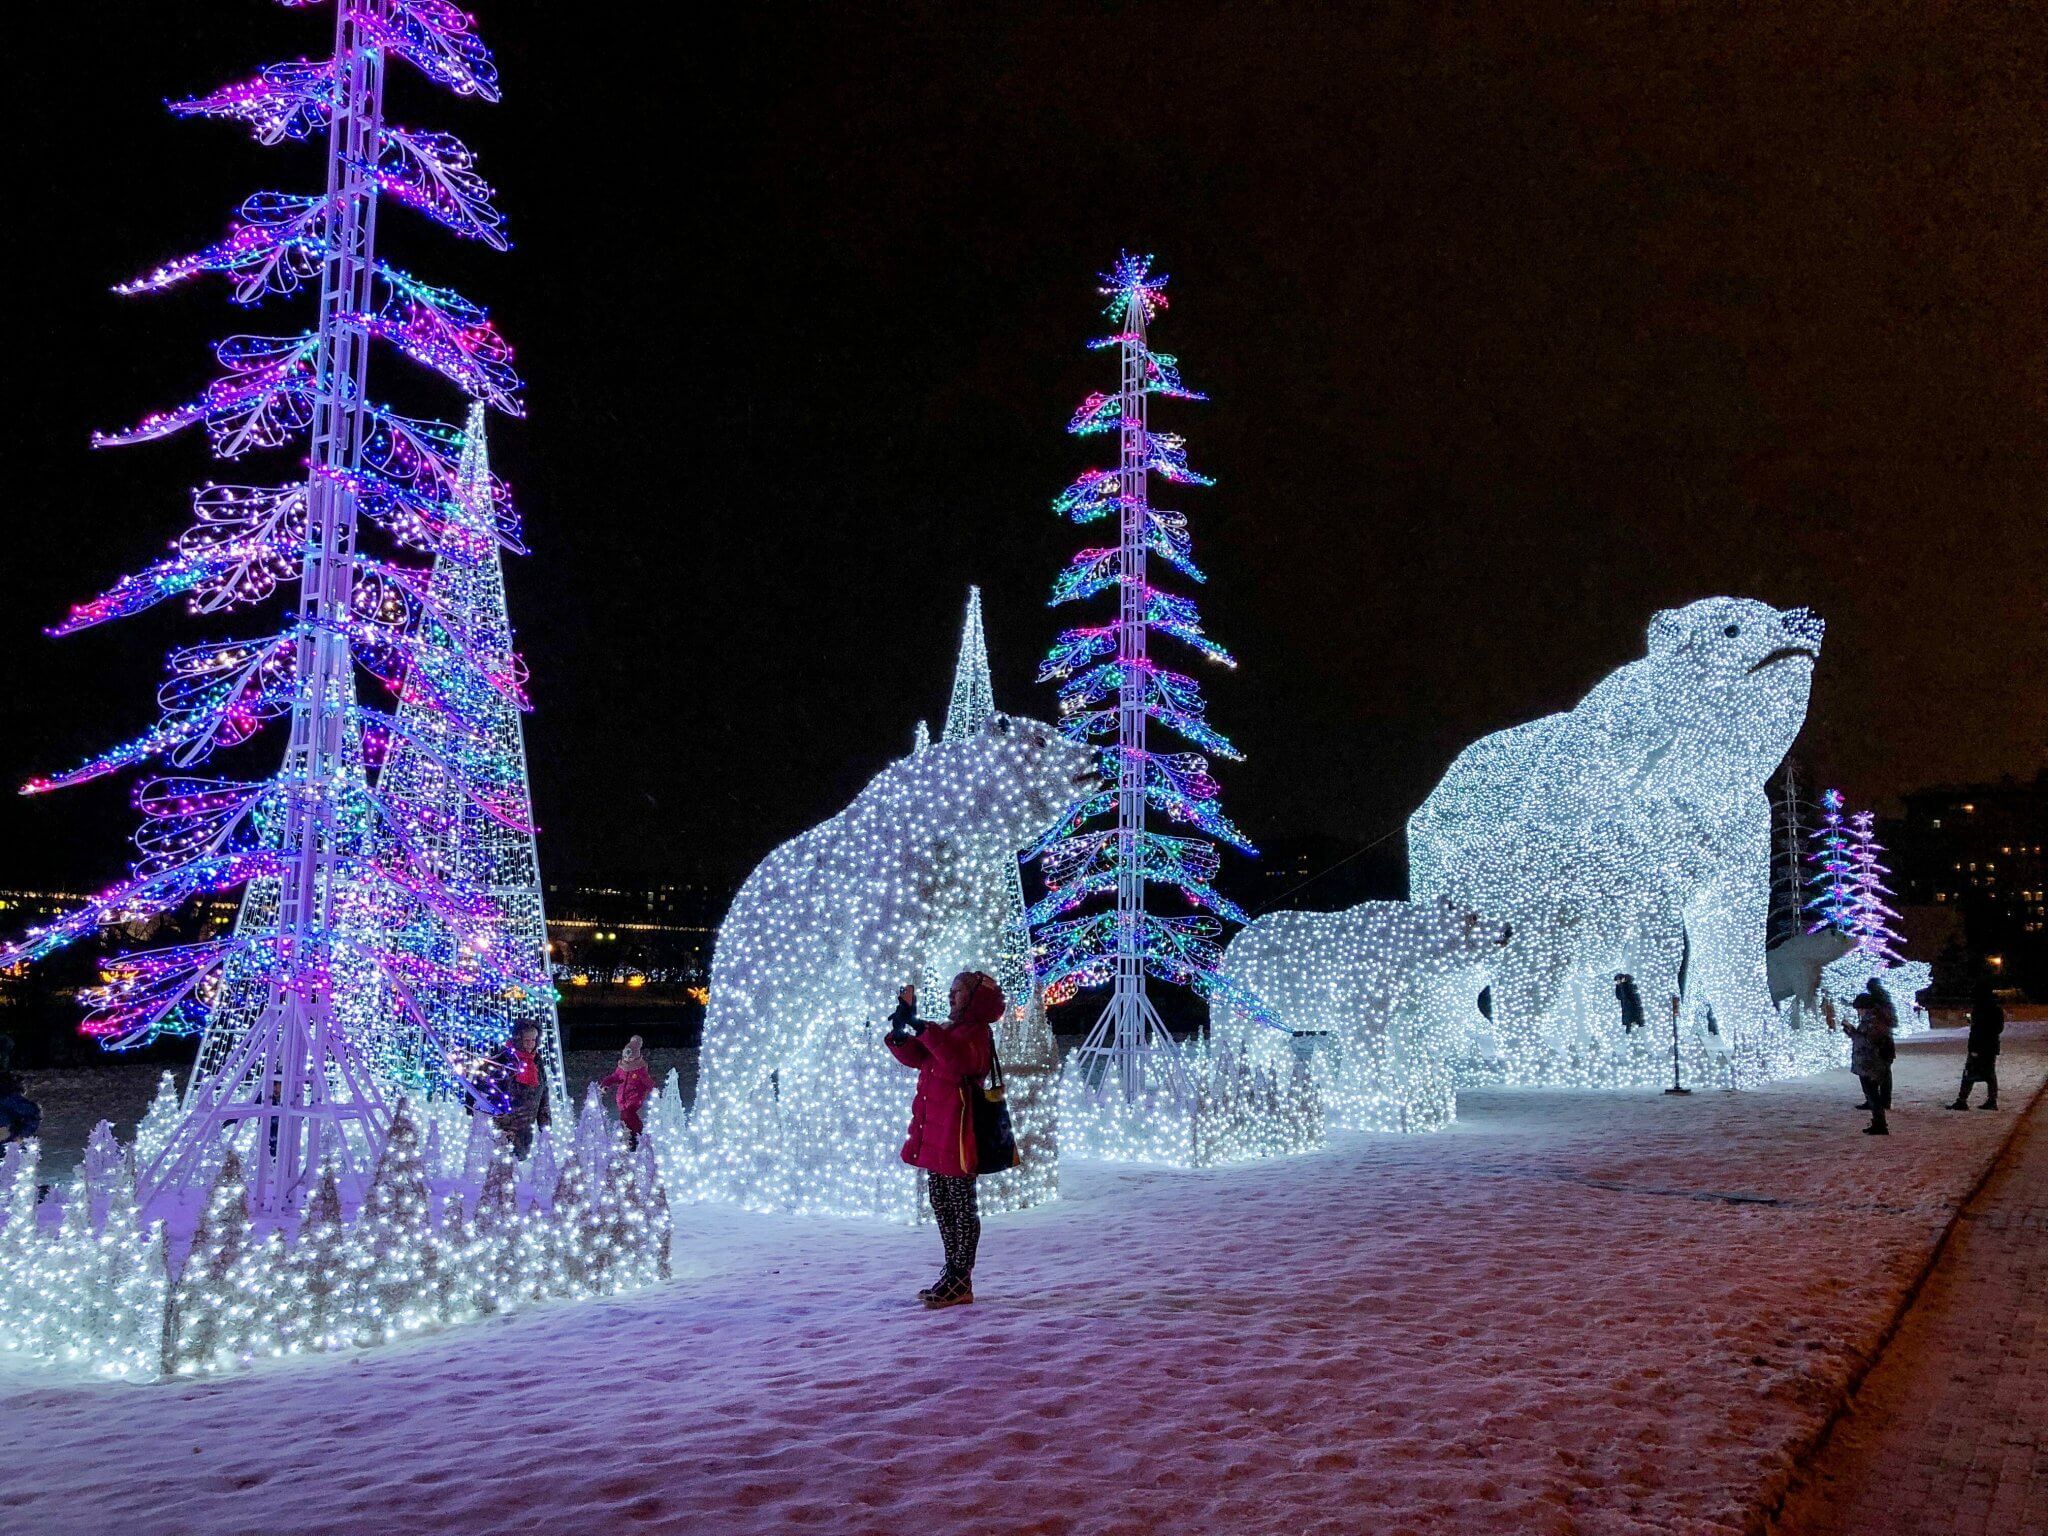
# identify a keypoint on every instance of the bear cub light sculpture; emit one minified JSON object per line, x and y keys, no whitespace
{"x":1383,"y":997}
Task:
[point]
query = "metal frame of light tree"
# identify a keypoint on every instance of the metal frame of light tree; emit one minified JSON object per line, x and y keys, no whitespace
{"x":1129,"y":1045}
{"x":323,"y":860}
{"x":1788,"y":859}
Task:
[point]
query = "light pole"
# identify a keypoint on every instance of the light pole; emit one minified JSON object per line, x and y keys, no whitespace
{"x":1676,"y":1085}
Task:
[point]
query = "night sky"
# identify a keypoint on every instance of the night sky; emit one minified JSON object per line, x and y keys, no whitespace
{"x":1518,"y":322}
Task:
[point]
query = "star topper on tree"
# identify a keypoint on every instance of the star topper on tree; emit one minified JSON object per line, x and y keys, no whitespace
{"x":1111,"y":689}
{"x":331,"y":864}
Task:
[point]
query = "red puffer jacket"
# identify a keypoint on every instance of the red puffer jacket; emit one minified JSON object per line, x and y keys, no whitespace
{"x":948,"y":1058}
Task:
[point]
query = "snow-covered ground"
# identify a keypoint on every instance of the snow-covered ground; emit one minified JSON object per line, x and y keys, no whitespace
{"x":1573,"y":1312}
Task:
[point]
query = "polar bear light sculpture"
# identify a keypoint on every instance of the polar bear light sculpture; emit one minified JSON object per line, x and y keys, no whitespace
{"x":1632,"y":834}
{"x":1387,"y":991}
{"x":798,"y":1106}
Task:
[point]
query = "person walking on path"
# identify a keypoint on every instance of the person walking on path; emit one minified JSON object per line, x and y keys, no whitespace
{"x":1980,"y":1063}
{"x":632,"y":1085}
{"x":1871,"y":1049}
{"x":951,"y":1059}
{"x":1631,"y":1001}
{"x":522,"y":1083}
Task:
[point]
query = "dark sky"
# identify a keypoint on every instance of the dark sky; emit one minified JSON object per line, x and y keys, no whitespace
{"x":1519,"y":322}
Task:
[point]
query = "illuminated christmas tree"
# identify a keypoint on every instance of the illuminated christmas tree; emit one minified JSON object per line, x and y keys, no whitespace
{"x":1830,"y":904}
{"x":431,"y":1038}
{"x":329,"y":865}
{"x":1869,"y":920}
{"x":974,"y":695}
{"x":1111,"y":691}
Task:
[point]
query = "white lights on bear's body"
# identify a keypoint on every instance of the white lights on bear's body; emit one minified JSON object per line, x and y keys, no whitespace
{"x":798,"y":1107}
{"x":1381,"y":997}
{"x":1632,"y":834}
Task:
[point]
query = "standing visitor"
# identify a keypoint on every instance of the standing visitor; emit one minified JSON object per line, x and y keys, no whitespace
{"x":522,"y":1082}
{"x":951,"y":1060}
{"x":1631,"y":1002}
{"x":1870,"y":1057}
{"x":21,"y":1118}
{"x":632,"y":1085}
{"x":1980,"y":1063}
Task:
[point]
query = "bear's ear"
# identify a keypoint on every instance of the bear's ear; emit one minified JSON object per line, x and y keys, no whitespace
{"x":1668,"y":632}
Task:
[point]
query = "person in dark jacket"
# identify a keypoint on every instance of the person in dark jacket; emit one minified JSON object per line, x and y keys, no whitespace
{"x":520,"y":1079}
{"x":1631,"y":1001}
{"x":20,"y":1116}
{"x":1870,"y":1055}
{"x":951,"y":1060}
{"x":1980,"y":1061}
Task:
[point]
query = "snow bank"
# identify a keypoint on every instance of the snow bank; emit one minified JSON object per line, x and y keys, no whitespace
{"x":1569,"y":1312}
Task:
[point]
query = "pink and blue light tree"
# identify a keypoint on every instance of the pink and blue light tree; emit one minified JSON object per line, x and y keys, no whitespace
{"x":1868,"y":919}
{"x":1829,"y":904}
{"x":333,"y":861}
{"x":1111,"y":690}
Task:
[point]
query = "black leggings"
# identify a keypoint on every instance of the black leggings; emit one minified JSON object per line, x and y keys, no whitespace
{"x":959,"y":1217}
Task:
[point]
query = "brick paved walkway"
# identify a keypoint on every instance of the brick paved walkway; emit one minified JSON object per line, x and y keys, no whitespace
{"x":1949,"y":1433}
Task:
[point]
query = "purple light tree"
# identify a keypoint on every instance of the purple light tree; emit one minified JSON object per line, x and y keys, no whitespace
{"x":1112,"y":688}
{"x":1869,"y":920}
{"x":330,"y":865}
{"x":1830,"y":903}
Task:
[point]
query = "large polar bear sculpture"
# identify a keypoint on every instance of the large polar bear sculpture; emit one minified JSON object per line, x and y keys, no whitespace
{"x":1632,"y":834}
{"x":911,"y":882}
{"x":1385,"y":994}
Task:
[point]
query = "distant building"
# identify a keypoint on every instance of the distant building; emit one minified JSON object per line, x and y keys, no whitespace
{"x":1982,"y":851}
{"x":650,"y":932}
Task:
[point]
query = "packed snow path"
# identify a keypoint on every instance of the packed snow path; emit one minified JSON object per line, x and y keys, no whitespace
{"x":1949,"y":1433}
{"x":1573,"y":1312}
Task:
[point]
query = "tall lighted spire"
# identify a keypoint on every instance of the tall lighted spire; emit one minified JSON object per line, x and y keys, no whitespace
{"x":974,"y":698}
{"x":431,"y":1040}
{"x":1025,"y":1037}
{"x":1112,"y":690}
{"x":330,"y":866}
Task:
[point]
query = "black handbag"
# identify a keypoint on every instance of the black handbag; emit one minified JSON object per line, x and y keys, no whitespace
{"x":995,"y":1143}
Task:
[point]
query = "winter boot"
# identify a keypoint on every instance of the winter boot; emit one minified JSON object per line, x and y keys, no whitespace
{"x":1989,"y":1104}
{"x":1960,"y":1104}
{"x":952,"y":1291}
{"x":1877,"y":1128}
{"x":937,"y":1285}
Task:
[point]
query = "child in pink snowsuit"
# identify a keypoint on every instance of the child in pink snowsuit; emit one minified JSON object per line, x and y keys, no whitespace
{"x":632,"y":1085}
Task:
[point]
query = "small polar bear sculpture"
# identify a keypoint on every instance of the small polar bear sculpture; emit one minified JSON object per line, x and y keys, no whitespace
{"x":893,"y":888}
{"x":1386,"y":992}
{"x":1632,"y":834}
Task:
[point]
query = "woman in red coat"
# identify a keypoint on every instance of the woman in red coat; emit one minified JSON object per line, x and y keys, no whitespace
{"x":951,"y":1060}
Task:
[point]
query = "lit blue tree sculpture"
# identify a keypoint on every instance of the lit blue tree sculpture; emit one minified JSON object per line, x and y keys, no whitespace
{"x":1833,"y":900}
{"x":1111,"y":690}
{"x":330,"y":865}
